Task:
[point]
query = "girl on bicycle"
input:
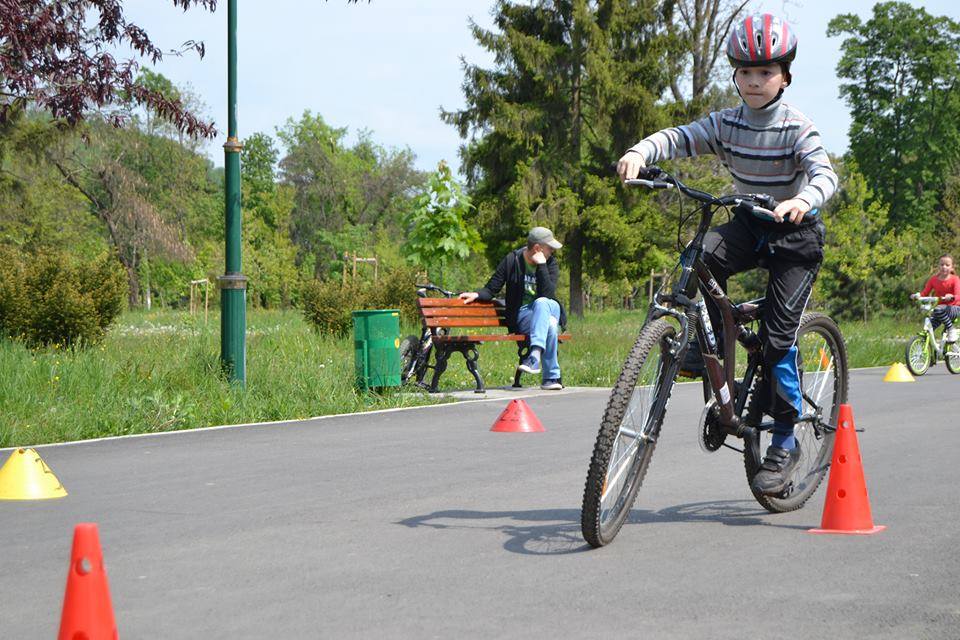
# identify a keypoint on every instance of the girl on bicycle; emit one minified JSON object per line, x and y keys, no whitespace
{"x":769,"y":147}
{"x":946,"y":285}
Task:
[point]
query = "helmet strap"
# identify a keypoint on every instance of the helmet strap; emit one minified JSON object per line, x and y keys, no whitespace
{"x":775,"y":98}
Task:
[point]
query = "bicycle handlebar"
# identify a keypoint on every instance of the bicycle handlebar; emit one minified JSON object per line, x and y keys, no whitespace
{"x":758,"y":204}
{"x":432,"y":287}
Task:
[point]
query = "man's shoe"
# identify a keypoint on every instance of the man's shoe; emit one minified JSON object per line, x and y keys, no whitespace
{"x":552,"y":385}
{"x":530,"y":364}
{"x":775,"y":470}
{"x":692,"y":365}
{"x":952,"y":334}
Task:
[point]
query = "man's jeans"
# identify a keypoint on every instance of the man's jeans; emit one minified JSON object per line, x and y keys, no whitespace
{"x":540,"y":320}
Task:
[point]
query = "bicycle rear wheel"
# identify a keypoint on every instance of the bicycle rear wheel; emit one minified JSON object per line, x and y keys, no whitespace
{"x":824,"y":379}
{"x":951,"y":356}
{"x":918,"y":355}
{"x":628,"y":434}
{"x":412,"y":360}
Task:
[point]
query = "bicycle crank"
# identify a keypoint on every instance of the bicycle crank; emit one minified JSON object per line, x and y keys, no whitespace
{"x":710,"y":433}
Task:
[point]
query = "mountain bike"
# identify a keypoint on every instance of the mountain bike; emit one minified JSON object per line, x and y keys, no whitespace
{"x":923,"y":349}
{"x":676,"y":321}
{"x":415,"y":352}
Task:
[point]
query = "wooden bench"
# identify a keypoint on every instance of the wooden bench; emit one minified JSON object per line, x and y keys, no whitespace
{"x":442,"y":315}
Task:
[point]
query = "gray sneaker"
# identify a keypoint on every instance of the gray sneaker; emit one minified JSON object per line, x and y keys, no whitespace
{"x":552,"y":385}
{"x":773,"y":478}
{"x":530,"y":364}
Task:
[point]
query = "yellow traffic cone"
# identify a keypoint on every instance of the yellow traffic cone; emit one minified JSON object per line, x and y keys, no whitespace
{"x":25,"y":476}
{"x":898,"y":372}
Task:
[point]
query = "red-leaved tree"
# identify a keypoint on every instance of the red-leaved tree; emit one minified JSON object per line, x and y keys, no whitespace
{"x":56,"y":54}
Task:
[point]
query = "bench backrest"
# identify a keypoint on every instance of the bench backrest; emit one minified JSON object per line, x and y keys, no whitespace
{"x":444,"y":313}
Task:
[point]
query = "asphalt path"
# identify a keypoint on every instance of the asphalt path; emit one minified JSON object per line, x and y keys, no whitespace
{"x":424,"y":524}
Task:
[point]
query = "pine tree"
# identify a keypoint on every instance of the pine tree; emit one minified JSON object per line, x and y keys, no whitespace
{"x":575,"y":82}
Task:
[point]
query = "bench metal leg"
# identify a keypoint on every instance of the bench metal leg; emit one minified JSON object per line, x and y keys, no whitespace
{"x":471,"y":356}
{"x":442,"y":355}
{"x":523,"y":350}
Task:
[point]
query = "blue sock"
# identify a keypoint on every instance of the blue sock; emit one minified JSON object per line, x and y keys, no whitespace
{"x":783,"y":436}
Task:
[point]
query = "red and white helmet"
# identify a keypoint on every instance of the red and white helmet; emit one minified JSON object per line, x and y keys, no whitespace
{"x":761,"y":39}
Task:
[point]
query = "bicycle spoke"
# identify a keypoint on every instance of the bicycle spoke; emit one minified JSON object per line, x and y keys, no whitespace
{"x":631,"y":434}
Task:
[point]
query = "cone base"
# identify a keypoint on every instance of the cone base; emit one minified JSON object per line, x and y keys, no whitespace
{"x":25,"y":476}
{"x":898,"y":372}
{"x":851,"y":532}
{"x":505,"y":428}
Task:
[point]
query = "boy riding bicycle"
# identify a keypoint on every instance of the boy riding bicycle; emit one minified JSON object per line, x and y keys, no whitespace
{"x":768,"y":147}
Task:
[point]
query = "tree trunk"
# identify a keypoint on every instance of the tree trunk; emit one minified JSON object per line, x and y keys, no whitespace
{"x":574,"y":250}
{"x":133,"y":284}
{"x":576,"y":121}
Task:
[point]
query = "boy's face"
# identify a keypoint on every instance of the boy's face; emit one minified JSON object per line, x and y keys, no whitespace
{"x":760,"y":85}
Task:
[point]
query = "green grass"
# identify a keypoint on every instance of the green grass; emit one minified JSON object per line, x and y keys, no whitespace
{"x":159,"y":371}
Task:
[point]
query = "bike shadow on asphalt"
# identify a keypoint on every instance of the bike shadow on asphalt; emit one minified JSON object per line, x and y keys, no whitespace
{"x":561,"y":535}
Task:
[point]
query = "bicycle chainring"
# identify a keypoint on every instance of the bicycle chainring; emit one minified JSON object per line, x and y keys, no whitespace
{"x":710,"y":434}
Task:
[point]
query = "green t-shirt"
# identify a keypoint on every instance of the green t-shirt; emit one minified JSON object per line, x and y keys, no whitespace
{"x":529,"y":283}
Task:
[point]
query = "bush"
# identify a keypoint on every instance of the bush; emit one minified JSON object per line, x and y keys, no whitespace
{"x":48,"y":298}
{"x":328,"y":304}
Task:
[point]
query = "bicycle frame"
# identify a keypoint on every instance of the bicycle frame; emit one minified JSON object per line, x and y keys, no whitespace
{"x":694,"y":276}
{"x":937,"y":348}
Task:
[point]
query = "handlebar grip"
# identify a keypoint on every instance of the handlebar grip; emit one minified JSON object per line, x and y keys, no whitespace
{"x":650,"y":184}
{"x":649,"y":173}
{"x":763,"y":213}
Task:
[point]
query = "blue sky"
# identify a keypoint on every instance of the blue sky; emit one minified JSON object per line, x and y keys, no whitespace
{"x":389,"y":65}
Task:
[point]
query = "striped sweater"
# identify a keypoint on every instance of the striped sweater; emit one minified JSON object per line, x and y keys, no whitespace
{"x":775,"y":150}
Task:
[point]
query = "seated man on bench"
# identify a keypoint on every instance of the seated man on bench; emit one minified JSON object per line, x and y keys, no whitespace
{"x":530,"y":274}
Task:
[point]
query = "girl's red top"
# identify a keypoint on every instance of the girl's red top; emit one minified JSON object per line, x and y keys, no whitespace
{"x":942,"y":287}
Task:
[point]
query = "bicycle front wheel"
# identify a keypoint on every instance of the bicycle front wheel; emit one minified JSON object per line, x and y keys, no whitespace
{"x":628,"y":434}
{"x":918,"y":355}
{"x":824,"y":379}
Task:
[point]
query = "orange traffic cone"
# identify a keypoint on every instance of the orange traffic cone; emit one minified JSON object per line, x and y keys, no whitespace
{"x":847,"y":508}
{"x":518,"y":417}
{"x":87,"y":612}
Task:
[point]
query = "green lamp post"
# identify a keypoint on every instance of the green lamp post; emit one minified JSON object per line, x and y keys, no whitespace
{"x":233,"y":284}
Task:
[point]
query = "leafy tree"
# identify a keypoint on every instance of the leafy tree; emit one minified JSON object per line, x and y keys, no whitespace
{"x":701,"y":28}
{"x":58,"y":56}
{"x":148,"y":193}
{"x":437,"y":229}
{"x":862,"y":256}
{"x":903,"y":89}
{"x":270,"y":255}
{"x":341,"y":192}
{"x":574,"y":83}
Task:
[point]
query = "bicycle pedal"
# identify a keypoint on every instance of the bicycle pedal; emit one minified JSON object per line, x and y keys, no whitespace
{"x":783,"y":495}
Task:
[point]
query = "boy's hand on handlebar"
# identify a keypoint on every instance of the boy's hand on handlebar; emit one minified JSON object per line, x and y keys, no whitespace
{"x":792,"y":210}
{"x":628,"y":167}
{"x":469,"y":296}
{"x":914,"y":296}
{"x":947,"y":298}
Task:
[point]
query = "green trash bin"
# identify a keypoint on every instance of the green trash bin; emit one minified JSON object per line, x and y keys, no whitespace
{"x":376,"y":348}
